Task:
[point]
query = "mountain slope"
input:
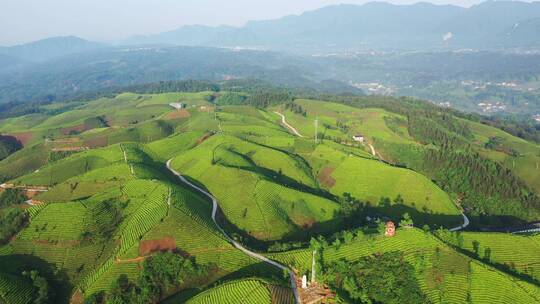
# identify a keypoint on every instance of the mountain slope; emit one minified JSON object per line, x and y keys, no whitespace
{"x":50,"y":48}
{"x":372,"y":25}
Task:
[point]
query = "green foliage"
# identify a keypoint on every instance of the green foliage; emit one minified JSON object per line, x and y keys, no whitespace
{"x":380,"y":278}
{"x":8,"y":145}
{"x":295,"y":108}
{"x":43,"y":293}
{"x":486,"y":187}
{"x":159,"y":274}
{"x":231,"y":98}
{"x":406,"y":221}
{"x":58,"y":155}
{"x":11,"y":197}
{"x":11,"y":220}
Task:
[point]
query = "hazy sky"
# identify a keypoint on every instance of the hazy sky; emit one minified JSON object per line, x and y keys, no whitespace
{"x":105,"y":20}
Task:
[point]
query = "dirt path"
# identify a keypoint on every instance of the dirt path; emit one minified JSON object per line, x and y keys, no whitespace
{"x":127,"y":261}
{"x":373,"y":152}
{"x":131,"y":169}
{"x":291,"y":128}
{"x":232,"y":241}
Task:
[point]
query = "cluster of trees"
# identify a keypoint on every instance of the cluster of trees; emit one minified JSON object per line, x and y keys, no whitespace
{"x":160,"y":274}
{"x":8,"y":145}
{"x":379,"y":278}
{"x":518,"y":126}
{"x":428,"y":132}
{"x":12,"y":219}
{"x":11,"y":197}
{"x":351,"y":208}
{"x":295,"y":108}
{"x":486,"y":186}
{"x":231,"y":98}
{"x":258,"y":98}
{"x":42,"y":292}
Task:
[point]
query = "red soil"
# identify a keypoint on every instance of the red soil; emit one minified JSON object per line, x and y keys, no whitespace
{"x":177,"y":114}
{"x":23,"y":137}
{"x":202,"y":139}
{"x":165,"y":244}
{"x":78,"y":129}
{"x":96,"y":142}
{"x":325,"y":177}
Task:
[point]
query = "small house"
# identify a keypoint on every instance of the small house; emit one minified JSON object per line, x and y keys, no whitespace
{"x":178,"y":105}
{"x":390,"y":229}
{"x":358,"y":138}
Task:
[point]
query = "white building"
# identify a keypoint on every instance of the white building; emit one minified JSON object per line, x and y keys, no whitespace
{"x":358,"y":138}
{"x":178,"y":105}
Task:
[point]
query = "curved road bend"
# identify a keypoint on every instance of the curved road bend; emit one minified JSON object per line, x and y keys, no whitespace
{"x":233,"y":242}
{"x":465,"y":223}
{"x":286,"y":124}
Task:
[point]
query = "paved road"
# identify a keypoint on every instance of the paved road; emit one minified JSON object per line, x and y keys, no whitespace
{"x":232,"y":241}
{"x":284,"y":122}
{"x":528,"y":230}
{"x":465,"y":223}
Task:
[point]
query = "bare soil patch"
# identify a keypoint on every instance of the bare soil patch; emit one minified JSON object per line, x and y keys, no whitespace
{"x":74,"y":129}
{"x":177,"y":114}
{"x":203,"y":138}
{"x":96,"y":142}
{"x":23,"y":137}
{"x":150,"y":246}
{"x":325,"y":177}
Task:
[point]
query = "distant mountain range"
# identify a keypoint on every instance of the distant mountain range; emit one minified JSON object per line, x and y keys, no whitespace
{"x":375,"y":25}
{"x":46,"y":49}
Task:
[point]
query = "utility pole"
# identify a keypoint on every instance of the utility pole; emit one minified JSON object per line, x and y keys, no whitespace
{"x":317,"y":129}
{"x":313,"y":267}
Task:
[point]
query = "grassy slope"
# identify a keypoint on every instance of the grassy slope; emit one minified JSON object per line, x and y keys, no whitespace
{"x":443,"y":274}
{"x":525,"y":166}
{"x":252,"y":170}
{"x":54,"y":231}
{"x":252,"y":153}
{"x":241,"y":291}
{"x":514,"y":251}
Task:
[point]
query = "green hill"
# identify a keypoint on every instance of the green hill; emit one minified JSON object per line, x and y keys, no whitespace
{"x":112,"y":206}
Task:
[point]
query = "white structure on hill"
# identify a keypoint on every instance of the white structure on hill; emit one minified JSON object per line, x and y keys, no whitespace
{"x":358,"y":138}
{"x":304,"y":282}
{"x":178,"y":105}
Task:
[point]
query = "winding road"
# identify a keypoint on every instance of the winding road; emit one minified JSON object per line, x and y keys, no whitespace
{"x":286,"y":124}
{"x":232,"y":241}
{"x":465,"y":223}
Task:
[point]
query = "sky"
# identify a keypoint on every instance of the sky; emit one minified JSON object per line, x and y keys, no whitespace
{"x":109,"y":20}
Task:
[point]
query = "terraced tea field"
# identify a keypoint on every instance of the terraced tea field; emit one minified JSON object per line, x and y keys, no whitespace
{"x":115,"y":205}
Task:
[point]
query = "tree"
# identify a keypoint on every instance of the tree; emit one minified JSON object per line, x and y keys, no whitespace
{"x":11,"y":220}
{"x":476,"y":247}
{"x":487,"y":254}
{"x":380,"y":278}
{"x":406,"y":221}
{"x":159,"y":274}
{"x":41,"y":286}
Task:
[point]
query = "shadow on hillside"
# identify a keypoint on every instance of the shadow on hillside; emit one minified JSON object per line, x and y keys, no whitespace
{"x":278,"y":178}
{"x":59,"y":284}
